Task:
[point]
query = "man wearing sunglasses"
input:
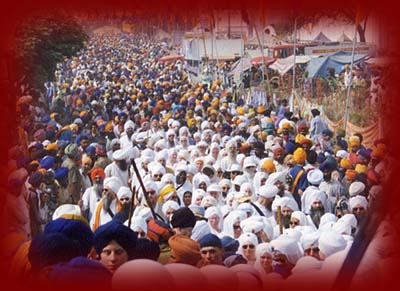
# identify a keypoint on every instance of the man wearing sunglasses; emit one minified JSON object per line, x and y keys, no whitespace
{"x":211,"y":250}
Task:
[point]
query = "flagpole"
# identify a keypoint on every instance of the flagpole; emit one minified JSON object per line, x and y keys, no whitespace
{"x":346,"y":114}
{"x":291,"y":103}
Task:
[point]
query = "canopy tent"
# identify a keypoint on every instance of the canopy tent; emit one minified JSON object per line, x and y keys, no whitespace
{"x":243,"y":64}
{"x":344,"y":38}
{"x":284,"y":65}
{"x":171,"y":58}
{"x":321,"y":37}
{"x":337,"y":60}
{"x":259,"y":60}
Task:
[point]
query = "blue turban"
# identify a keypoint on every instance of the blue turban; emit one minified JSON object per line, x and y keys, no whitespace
{"x":321,"y":158}
{"x":91,"y":150}
{"x":229,"y":244}
{"x":290,"y":147}
{"x":115,"y":230}
{"x":45,"y":118}
{"x":365,"y":153}
{"x":66,"y":135}
{"x":75,"y":230}
{"x":82,"y":271}
{"x":52,"y":248}
{"x":122,"y":114}
{"x":61,"y":173}
{"x":35,"y":179}
{"x":240,"y":102}
{"x":210,"y":240}
{"x":47,"y":162}
{"x":327,"y":165}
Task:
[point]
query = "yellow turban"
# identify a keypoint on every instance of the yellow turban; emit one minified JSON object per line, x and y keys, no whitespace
{"x":240,"y":110}
{"x":354,"y":141}
{"x":51,"y":147}
{"x":299,"y":155}
{"x":260,"y":109}
{"x":268,"y":166}
{"x":361,"y":168}
{"x":166,"y":192}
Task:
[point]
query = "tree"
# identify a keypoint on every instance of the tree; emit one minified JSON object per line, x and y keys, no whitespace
{"x":42,"y":42}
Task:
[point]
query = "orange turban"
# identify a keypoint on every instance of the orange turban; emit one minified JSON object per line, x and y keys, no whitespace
{"x":345,"y":163}
{"x":268,"y":166}
{"x":97,"y":171}
{"x":351,"y":174}
{"x":184,"y":250}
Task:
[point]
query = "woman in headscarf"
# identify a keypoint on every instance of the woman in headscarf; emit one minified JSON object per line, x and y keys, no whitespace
{"x":259,"y":180}
{"x":214,"y":216}
{"x":232,"y":224}
{"x":264,"y":260}
{"x":198,"y":196}
{"x":247,"y":247}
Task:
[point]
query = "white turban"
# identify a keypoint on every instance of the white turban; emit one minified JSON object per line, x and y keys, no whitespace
{"x":119,"y":155}
{"x":66,"y":209}
{"x":327,"y":217}
{"x":210,"y":200}
{"x":275,"y":177}
{"x":251,"y":225}
{"x":231,"y":219}
{"x":311,"y":195}
{"x":331,"y":242}
{"x":300,"y":216}
{"x":212,"y":210}
{"x":129,"y":124}
{"x":155,"y":167}
{"x":315,"y":176}
{"x":214,"y":188}
{"x":161,"y":155}
{"x":239,"y":180}
{"x":124,"y":192}
{"x":137,"y":222}
{"x":350,"y":219}
{"x":342,"y":154}
{"x":113,"y":183}
{"x":247,"y":238}
{"x":201,"y":228}
{"x":169,"y":204}
{"x":284,"y":202}
{"x":263,"y":248}
{"x":196,"y":193}
{"x":167,"y":177}
{"x":356,"y":188}
{"x":292,"y":233}
{"x":145,"y":213}
{"x":309,"y":239}
{"x":257,"y":180}
{"x":225,"y":182}
{"x":342,"y":227}
{"x":289,"y":247}
{"x":268,"y":191}
{"x":358,"y":200}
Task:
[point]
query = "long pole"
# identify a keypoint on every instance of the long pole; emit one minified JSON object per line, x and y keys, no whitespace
{"x":294,"y":67}
{"x":263,"y":58}
{"x":346,"y":114}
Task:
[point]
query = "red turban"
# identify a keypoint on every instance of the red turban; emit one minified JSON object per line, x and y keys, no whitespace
{"x":97,"y":171}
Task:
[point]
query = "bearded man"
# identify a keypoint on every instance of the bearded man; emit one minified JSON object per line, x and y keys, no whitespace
{"x":93,"y":194}
{"x":118,"y":168}
{"x":109,"y":204}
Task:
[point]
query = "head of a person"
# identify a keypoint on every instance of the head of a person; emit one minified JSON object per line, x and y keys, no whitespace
{"x":115,"y":244}
{"x":358,"y":205}
{"x":211,"y":249}
{"x":184,"y":250}
{"x":247,"y":245}
{"x":183,"y":221}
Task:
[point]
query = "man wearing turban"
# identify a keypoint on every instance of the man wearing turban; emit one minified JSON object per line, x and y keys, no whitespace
{"x":93,"y":194}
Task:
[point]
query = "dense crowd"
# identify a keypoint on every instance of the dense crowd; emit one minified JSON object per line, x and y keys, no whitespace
{"x":126,"y":160}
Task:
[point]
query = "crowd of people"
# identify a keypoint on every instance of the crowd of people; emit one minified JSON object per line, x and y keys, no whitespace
{"x":132,"y":166}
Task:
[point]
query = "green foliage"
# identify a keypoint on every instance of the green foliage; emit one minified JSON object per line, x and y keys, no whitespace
{"x":42,"y":42}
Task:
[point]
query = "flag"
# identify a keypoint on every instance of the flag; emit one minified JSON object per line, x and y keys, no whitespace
{"x":212,"y":22}
{"x":262,"y":14}
{"x":245,"y":16}
{"x":361,"y":15}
